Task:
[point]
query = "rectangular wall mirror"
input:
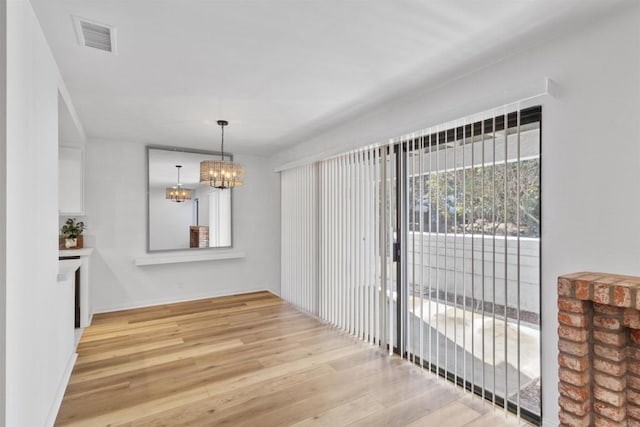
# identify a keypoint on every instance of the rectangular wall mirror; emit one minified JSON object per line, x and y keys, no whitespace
{"x":186,"y":216}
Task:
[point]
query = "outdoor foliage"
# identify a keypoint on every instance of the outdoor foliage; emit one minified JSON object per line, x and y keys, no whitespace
{"x":480,"y":200}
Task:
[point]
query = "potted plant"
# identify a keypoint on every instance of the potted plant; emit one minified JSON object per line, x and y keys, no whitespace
{"x":72,"y":233}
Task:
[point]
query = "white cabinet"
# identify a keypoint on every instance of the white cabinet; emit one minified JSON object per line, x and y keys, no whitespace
{"x":71,"y":185}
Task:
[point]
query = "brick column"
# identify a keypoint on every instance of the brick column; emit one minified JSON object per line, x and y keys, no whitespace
{"x":599,"y":350}
{"x":632,"y":319}
{"x":574,"y":317}
{"x":610,"y":339}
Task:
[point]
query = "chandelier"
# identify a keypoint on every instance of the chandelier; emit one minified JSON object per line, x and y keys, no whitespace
{"x":221,"y":173}
{"x":177,"y":193}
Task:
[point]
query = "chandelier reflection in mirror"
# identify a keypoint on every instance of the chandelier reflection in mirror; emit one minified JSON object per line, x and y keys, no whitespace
{"x":177,"y":193}
{"x":221,"y":173}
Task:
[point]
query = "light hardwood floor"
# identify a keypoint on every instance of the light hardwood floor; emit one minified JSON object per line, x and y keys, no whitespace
{"x":250,"y":360}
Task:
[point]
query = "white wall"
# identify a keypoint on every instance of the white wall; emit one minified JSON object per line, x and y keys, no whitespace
{"x":170,"y":221}
{"x":116,"y":217}
{"x":38,"y":346}
{"x":590,"y":150}
{"x":3,"y":205}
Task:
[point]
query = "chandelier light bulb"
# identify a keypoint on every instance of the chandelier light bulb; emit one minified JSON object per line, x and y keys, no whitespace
{"x":177,"y":193}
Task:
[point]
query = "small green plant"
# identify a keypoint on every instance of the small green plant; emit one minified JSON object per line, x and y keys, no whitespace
{"x":72,"y":229}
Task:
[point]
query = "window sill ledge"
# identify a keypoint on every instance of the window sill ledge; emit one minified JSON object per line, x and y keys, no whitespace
{"x":181,"y":257}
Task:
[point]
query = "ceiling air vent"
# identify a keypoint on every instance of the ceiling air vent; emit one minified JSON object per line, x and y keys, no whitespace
{"x":95,"y":35}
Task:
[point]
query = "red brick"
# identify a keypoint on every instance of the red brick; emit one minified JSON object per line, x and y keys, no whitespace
{"x":629,"y":281}
{"x":610,"y":368}
{"x":633,"y":397}
{"x":571,"y":420}
{"x":635,"y":335}
{"x":582,"y":290}
{"x":573,"y":305}
{"x":631,"y":422}
{"x":565,"y":287}
{"x":574,"y":377}
{"x":571,"y":319}
{"x":633,"y":366}
{"x":575,"y":363}
{"x":633,"y":411}
{"x":615,"y":398}
{"x":606,"y":309}
{"x":633,"y":382}
{"x":599,"y":421}
{"x":633,"y":352}
{"x":614,"y":413}
{"x":609,"y":279}
{"x":621,"y":296}
{"x":612,"y":338}
{"x":606,"y":322}
{"x":577,"y":275}
{"x":616,"y":354}
{"x":601,"y":293}
{"x":573,"y":334}
{"x":578,"y":408}
{"x":631,"y":318}
{"x":573,"y":348}
{"x":609,"y":382}
{"x":573,"y":392}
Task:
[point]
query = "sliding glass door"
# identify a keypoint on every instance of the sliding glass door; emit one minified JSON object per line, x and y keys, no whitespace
{"x":429,"y":247}
{"x":470,"y":264}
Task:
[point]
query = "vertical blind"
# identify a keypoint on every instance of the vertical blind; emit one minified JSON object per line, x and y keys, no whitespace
{"x":356,"y":286}
{"x":299,"y":247}
{"x":472,"y":255}
{"x":429,"y":245}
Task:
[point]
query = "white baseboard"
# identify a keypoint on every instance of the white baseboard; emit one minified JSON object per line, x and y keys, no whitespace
{"x":162,"y":301}
{"x":62,"y":387}
{"x":274,"y":293}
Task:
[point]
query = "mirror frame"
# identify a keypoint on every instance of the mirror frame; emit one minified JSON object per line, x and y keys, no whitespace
{"x":148,"y":148}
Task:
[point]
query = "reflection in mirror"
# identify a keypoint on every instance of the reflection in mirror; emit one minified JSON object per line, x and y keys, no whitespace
{"x":182,"y":213}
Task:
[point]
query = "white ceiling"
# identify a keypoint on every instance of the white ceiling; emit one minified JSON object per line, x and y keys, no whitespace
{"x":277,"y":70}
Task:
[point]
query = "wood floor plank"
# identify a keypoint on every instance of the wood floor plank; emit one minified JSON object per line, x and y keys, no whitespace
{"x":129,"y":350}
{"x":250,"y":360}
{"x":491,"y":419}
{"x":455,"y":414}
{"x":132,"y":365}
{"x":346,"y":413}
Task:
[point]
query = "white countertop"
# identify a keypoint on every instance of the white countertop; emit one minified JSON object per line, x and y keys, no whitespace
{"x":75,"y":252}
